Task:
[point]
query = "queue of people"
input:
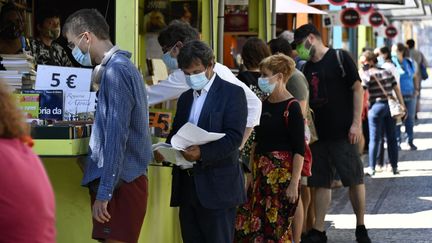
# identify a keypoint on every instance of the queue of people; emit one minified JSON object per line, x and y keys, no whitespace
{"x":272,"y":100}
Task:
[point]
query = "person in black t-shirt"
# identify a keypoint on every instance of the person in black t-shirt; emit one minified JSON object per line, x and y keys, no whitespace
{"x":336,"y":96}
{"x":278,"y":159}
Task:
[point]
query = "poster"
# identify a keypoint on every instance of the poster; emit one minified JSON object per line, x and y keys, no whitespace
{"x":236,"y":18}
{"x":159,"y":13}
{"x":156,"y":15}
{"x":186,"y":11}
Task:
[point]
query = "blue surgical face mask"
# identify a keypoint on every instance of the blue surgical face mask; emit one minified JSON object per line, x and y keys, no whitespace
{"x":381,"y":61}
{"x":197,"y":81}
{"x":265,"y":85}
{"x":82,"y":58}
{"x":170,"y":61}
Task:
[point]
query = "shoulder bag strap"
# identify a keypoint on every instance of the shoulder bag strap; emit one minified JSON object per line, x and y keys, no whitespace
{"x":380,"y":85}
{"x":286,"y":113}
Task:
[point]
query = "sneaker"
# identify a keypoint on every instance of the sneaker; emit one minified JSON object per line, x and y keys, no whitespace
{"x":315,"y":236}
{"x":395,"y":171}
{"x":362,"y":234}
{"x":379,"y":169}
{"x":412,"y":146}
{"x":369,"y":171}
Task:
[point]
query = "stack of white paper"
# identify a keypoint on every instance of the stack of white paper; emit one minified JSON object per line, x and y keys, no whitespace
{"x":188,"y":135}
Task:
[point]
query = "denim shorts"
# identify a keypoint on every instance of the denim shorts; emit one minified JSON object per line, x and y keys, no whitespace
{"x":335,"y":156}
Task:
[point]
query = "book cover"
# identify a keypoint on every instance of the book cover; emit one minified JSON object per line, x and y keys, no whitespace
{"x":29,"y":104}
{"x":78,"y":102}
{"x":50,"y":103}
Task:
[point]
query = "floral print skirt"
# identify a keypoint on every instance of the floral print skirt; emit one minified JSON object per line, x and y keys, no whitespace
{"x":267,"y":215}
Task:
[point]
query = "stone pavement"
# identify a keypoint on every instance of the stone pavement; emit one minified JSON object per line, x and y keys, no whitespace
{"x":398,"y":208}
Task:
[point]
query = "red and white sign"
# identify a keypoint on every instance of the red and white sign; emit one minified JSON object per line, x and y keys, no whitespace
{"x":350,"y":17}
{"x":391,"y":32}
{"x":338,"y":2}
{"x":376,"y":19}
{"x":364,"y":8}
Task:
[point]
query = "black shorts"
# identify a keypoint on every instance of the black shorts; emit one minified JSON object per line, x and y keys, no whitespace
{"x":331,"y":156}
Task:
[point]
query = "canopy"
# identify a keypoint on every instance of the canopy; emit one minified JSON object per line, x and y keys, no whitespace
{"x":292,"y":6}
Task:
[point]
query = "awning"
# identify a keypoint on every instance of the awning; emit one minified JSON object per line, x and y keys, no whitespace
{"x":292,"y":6}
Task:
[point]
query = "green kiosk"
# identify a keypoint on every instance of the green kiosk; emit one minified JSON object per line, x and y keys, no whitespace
{"x":63,"y":159}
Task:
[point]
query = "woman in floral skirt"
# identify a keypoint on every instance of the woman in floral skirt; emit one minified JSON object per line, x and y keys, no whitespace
{"x":278,"y":159}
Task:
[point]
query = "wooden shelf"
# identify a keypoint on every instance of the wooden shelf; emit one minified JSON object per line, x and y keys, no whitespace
{"x":242,"y":33}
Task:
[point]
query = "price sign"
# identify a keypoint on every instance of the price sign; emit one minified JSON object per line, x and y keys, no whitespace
{"x":376,"y":19}
{"x":64,"y":78}
{"x":350,"y":17}
{"x":338,"y":2}
{"x":391,"y":32}
{"x":161,"y":121}
{"x":364,"y":8}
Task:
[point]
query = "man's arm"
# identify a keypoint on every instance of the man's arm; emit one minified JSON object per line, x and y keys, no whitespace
{"x":168,"y":89}
{"x":356,"y":127}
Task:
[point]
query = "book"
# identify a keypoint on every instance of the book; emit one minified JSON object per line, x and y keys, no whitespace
{"x":78,"y":102}
{"x":50,"y":103}
{"x":29,"y":104}
{"x":52,"y":132}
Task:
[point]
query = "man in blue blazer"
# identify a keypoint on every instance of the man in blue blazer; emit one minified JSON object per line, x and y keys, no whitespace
{"x":209,"y":191}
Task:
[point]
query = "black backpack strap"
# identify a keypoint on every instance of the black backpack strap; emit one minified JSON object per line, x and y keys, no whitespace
{"x":340,"y":61}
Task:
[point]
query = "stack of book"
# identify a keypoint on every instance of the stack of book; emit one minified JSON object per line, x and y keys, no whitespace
{"x":17,"y":70}
{"x":62,"y":131}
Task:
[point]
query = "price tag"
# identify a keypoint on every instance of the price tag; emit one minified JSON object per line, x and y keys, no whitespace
{"x":161,"y":121}
{"x":64,"y":78}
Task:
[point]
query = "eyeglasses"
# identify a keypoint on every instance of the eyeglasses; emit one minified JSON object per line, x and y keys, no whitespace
{"x":71,"y":45}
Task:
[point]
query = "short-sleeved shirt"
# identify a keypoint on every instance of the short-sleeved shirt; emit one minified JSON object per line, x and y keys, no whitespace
{"x":297,"y":85}
{"x":369,"y":81}
{"x":49,"y":55}
{"x":274,"y":134}
{"x":331,"y":95}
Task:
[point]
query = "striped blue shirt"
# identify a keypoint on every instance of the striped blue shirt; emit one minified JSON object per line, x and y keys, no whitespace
{"x":120,"y":143}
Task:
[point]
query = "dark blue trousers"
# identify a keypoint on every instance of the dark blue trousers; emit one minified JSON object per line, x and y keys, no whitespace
{"x":203,"y":225}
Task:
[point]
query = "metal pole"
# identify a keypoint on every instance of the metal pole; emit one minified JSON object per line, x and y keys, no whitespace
{"x":212,"y":44}
{"x":265,"y":20}
{"x":220,"y":34}
{"x":273,"y":23}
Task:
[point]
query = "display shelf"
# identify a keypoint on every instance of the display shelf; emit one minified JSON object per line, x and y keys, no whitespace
{"x":61,"y":147}
{"x":248,"y":33}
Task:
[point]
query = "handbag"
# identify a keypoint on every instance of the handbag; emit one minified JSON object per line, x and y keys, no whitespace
{"x":396,"y":109}
{"x":307,"y":162}
{"x":423,"y":72}
{"x":310,"y":126}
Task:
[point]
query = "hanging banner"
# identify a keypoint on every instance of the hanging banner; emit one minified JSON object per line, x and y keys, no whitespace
{"x":391,"y":32}
{"x":400,"y":2}
{"x":364,"y":8}
{"x":376,"y":19}
{"x":350,"y":17}
{"x":338,"y":2}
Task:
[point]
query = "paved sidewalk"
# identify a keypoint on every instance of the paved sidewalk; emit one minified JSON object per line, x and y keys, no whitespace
{"x":398,"y":208}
